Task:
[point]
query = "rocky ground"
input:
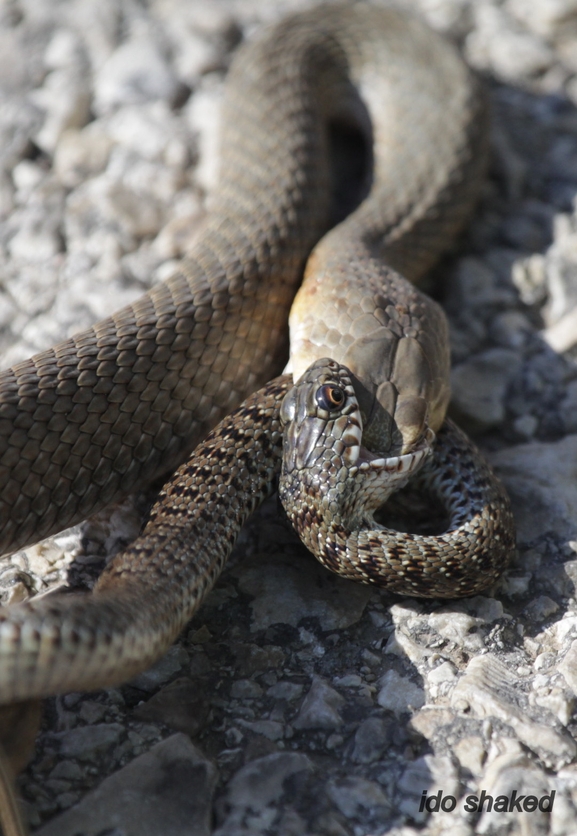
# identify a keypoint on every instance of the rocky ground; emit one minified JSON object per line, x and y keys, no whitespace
{"x":298,"y":703}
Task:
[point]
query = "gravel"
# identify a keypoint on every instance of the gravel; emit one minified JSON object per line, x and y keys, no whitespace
{"x":315,"y":706}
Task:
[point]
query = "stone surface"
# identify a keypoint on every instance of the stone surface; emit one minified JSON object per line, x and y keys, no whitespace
{"x":166,"y":791}
{"x":399,"y":694}
{"x":287,"y":591}
{"x":541,"y":479}
{"x":180,"y":705}
{"x":320,"y":708}
{"x":328,"y":707}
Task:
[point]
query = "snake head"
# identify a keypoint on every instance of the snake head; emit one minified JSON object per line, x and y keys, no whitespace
{"x":326,"y":469}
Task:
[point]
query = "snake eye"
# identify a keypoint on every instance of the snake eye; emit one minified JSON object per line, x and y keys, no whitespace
{"x":330,"y":397}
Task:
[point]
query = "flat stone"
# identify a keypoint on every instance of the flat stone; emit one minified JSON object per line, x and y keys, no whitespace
{"x":245,"y":689}
{"x":166,"y":791}
{"x":136,"y":72}
{"x":287,"y":590}
{"x":251,"y":659}
{"x":256,"y":786}
{"x":479,"y":386}
{"x":541,"y":479}
{"x":172,"y":662}
{"x":88,"y":742}
{"x":271,"y":729}
{"x":353,"y":795}
{"x":285,"y":691}
{"x":399,"y":694}
{"x":371,"y":738}
{"x":430,"y":774}
{"x":320,"y":708}
{"x":180,"y":705}
{"x":568,"y":667}
{"x":488,"y":688}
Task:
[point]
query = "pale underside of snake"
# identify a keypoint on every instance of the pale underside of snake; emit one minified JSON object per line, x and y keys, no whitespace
{"x":123,"y":402}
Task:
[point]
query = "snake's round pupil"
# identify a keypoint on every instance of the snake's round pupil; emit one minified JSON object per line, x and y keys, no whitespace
{"x":330,"y":397}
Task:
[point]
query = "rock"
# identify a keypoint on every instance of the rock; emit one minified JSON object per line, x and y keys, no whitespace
{"x":479,"y":386}
{"x":470,"y":752}
{"x":88,"y":742}
{"x":568,"y":667}
{"x":540,"y":608}
{"x":399,"y":694}
{"x":270,"y":729}
{"x":352,"y":795}
{"x":92,"y":712}
{"x":429,"y":774}
{"x":256,"y":787}
{"x":65,"y":97}
{"x":136,"y":72}
{"x":172,"y":662}
{"x":287,"y":591}
{"x":247,"y":689}
{"x":371,"y":738}
{"x":251,"y":658}
{"x":488,"y":688}
{"x":541,"y":479}
{"x":165,"y":791}
{"x":548,"y":18}
{"x":505,"y":776}
{"x":320,"y":708}
{"x":81,"y":154}
{"x":441,"y":680}
{"x":510,"y":52}
{"x":182,"y":705}
{"x":285,"y":691}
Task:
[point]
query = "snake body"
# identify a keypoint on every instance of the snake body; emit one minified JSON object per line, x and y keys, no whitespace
{"x":87,"y":421}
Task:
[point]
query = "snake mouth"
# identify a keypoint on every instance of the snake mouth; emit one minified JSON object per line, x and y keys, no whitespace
{"x":403,"y":465}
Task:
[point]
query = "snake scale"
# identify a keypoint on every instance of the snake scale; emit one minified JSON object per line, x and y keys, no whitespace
{"x":125,"y":401}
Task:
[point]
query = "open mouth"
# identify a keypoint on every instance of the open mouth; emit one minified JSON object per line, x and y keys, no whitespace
{"x":401,"y":465}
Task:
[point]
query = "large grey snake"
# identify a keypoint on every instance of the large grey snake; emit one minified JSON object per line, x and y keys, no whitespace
{"x":88,"y":421}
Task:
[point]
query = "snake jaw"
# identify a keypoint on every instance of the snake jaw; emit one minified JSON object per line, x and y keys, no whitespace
{"x":326,"y":466}
{"x":404,"y":464}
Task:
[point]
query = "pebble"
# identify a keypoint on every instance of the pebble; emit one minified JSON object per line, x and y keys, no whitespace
{"x":488,"y":688}
{"x":568,"y":667}
{"x":247,"y":689}
{"x":168,"y":790}
{"x":285,"y":691}
{"x":181,"y":705}
{"x":87,"y":742}
{"x":371,"y":738}
{"x":479,"y":386}
{"x":286,"y":591}
{"x":351,"y":795}
{"x":320,"y":708}
{"x":425,"y":773}
{"x":399,"y":694}
{"x":171,"y":663}
{"x":541,"y":608}
{"x":109,"y":132}
{"x":541,"y":479}
{"x":257,"y":786}
{"x":135,"y":72}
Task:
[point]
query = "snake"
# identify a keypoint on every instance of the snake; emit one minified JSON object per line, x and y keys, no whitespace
{"x":293,"y":234}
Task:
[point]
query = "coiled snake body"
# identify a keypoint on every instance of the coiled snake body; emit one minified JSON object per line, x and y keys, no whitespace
{"x":89,"y":420}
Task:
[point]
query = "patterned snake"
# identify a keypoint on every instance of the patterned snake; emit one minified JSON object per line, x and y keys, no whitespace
{"x":125,"y":401}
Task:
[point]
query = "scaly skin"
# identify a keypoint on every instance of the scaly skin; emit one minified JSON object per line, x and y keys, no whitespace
{"x":331,"y":487}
